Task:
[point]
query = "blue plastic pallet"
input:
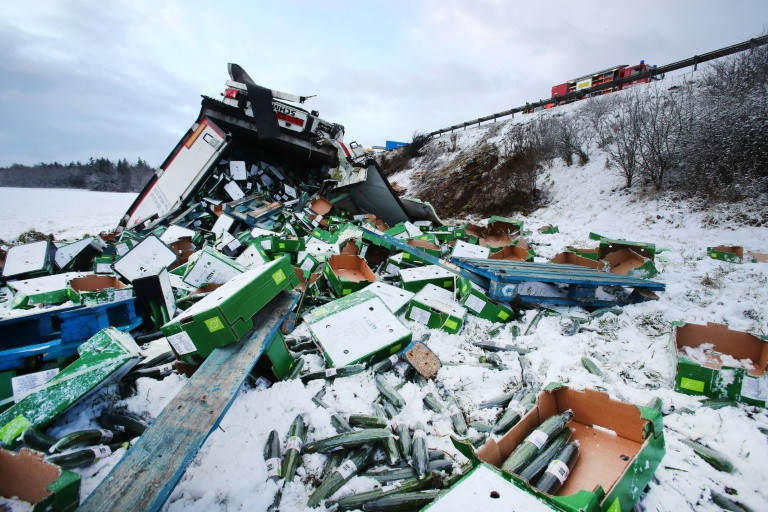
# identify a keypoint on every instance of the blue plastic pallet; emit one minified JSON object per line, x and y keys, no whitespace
{"x":58,"y":333}
{"x":551,"y":283}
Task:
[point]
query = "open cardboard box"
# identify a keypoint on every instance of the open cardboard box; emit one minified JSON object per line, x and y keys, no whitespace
{"x":347,"y":273}
{"x":96,"y":288}
{"x":425,"y":245}
{"x":44,"y":485}
{"x":734,"y":254}
{"x":621,"y":445}
{"x":712,"y":376}
{"x":512,"y":253}
{"x":627,"y":262}
{"x":571,"y":258}
{"x":591,"y":254}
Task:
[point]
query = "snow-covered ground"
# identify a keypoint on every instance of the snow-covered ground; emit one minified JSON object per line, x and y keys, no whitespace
{"x":631,"y":348}
{"x":64,"y":213}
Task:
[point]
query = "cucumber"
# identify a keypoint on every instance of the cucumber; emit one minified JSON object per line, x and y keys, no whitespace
{"x":165,"y":357}
{"x":356,"y":501}
{"x":712,"y":457}
{"x":131,"y":425}
{"x":499,"y":401}
{"x":457,"y":417}
{"x":88,"y":437}
{"x":433,"y":403}
{"x":348,"y":440}
{"x":540,"y":463}
{"x":534,"y":322}
{"x":389,"y":410}
{"x":297,"y":434}
{"x":272,"y":456}
{"x":37,"y":439}
{"x":404,"y":440}
{"x":559,"y":469}
{"x":386,"y":364}
{"x":365,"y":421}
{"x":337,"y":420}
{"x":341,"y":475}
{"x":390,"y":446}
{"x":495,"y":346}
{"x":533,"y":444}
{"x":389,"y":392}
{"x":333,"y":373}
{"x":496,"y":361}
{"x":481,"y":426}
{"x":332,"y":462}
{"x":152,"y":372}
{"x":726,"y":503}
{"x":298,"y":364}
{"x":420,"y":460}
{"x":84,"y":457}
{"x":403,"y":501}
{"x":509,"y":419}
{"x":592,"y":368}
{"x":390,"y":475}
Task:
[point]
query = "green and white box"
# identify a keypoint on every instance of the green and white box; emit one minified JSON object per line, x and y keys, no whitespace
{"x":44,"y":290}
{"x":77,"y":255}
{"x":253,"y":256}
{"x":175,"y":233}
{"x":414,"y":279}
{"x":28,"y":260}
{"x":395,"y":298}
{"x":394,"y":264}
{"x":436,"y":308}
{"x":209,"y":266}
{"x":226,"y":314}
{"x":477,"y":302}
{"x":358,"y":328}
{"x":464,"y":249}
{"x":148,"y":257}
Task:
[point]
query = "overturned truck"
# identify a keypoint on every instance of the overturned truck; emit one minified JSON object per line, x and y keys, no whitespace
{"x":258,"y":141}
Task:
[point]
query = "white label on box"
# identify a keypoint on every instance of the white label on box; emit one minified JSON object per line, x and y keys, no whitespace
{"x":234,"y":191}
{"x":293,"y":443}
{"x":222,"y":224}
{"x":290,"y":191}
{"x":755,"y":388}
{"x":420,"y":315}
{"x":249,"y":185}
{"x":538,"y":438}
{"x":234,"y":244}
{"x":23,"y":385}
{"x":346,"y":469}
{"x":474,"y":303}
{"x":307,"y":264}
{"x":558,"y":470}
{"x":266,"y":244}
{"x":181,"y":343}
{"x":237,"y":170}
{"x":123,"y":294}
{"x":273,"y":467}
{"x":101,"y":451}
{"x":122,"y":248}
{"x":392,"y":269}
{"x":103,"y":268}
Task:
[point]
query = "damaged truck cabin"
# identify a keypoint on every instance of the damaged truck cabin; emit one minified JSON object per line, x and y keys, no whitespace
{"x":259,"y":141}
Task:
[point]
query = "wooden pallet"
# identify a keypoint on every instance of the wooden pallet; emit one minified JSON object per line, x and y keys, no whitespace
{"x":148,"y":473}
{"x":550,"y":283}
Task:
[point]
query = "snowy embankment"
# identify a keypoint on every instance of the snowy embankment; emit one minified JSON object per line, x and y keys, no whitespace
{"x":631,"y":348}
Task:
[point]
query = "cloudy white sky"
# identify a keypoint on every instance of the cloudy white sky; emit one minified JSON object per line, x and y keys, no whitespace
{"x":123,"y":78}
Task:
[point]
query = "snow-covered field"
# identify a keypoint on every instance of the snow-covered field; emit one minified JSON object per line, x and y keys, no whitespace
{"x":64,"y":213}
{"x":631,"y":348}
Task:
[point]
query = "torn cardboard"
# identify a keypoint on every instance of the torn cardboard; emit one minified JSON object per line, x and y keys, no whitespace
{"x":347,"y":273}
{"x":45,"y":486}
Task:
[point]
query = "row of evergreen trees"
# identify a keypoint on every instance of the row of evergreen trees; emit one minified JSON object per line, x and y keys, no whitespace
{"x":96,"y":174}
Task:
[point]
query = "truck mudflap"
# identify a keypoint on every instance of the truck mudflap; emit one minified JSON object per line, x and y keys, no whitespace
{"x":180,"y":174}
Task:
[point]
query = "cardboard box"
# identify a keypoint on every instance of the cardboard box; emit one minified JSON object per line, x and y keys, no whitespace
{"x":549,"y":229}
{"x":253,"y":256}
{"x":30,"y":260}
{"x":414,"y":279}
{"x":147,"y":258}
{"x":209,"y":266}
{"x":95,"y":289}
{"x":498,"y":225}
{"x":358,"y":328}
{"x":591,"y":254}
{"x":627,"y":262}
{"x":734,"y":254}
{"x":487,"y":489}
{"x":715,"y":361}
{"x":428,"y":247}
{"x":436,"y":308}
{"x":572,"y":258}
{"x":477,"y":302}
{"x":45,"y":486}
{"x":77,"y":255}
{"x":757,"y":257}
{"x":404,"y":230}
{"x":226,"y":314}
{"x":394,"y":263}
{"x":107,"y":355}
{"x":46,"y":290}
{"x":103,"y":264}
{"x":607,"y":245}
{"x":621,"y":445}
{"x":347,"y":273}
{"x":512,"y":253}
{"x":155,"y":293}
{"x":396,"y":299}
{"x":466,"y":250}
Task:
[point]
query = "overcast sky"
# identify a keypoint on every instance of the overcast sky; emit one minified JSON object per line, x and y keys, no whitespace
{"x":121,"y":78}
